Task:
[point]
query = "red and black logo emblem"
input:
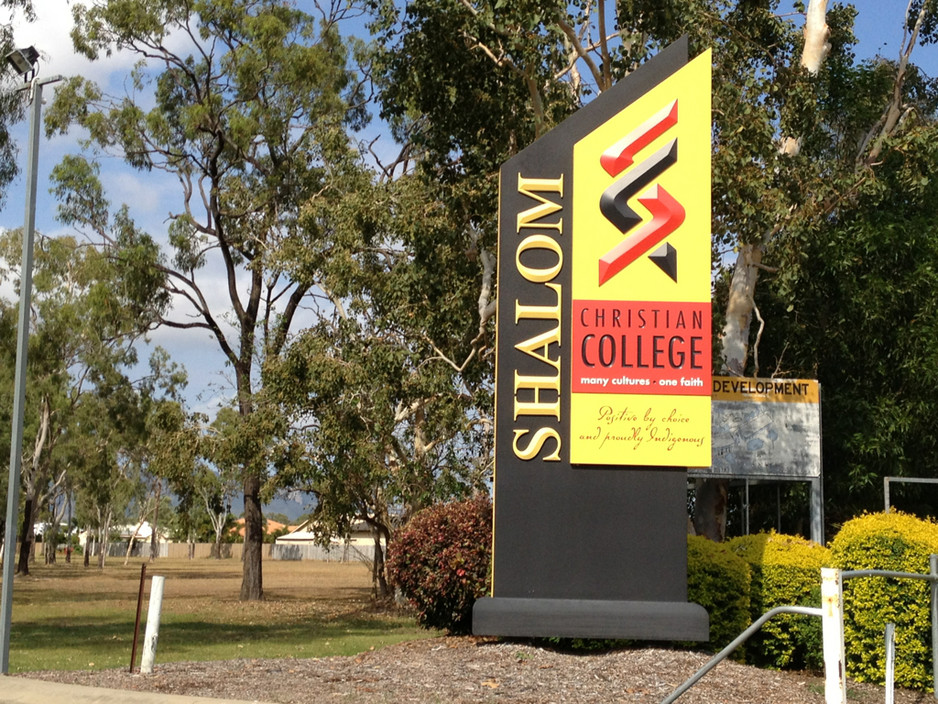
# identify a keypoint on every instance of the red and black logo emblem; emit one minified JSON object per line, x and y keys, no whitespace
{"x":667,"y":214}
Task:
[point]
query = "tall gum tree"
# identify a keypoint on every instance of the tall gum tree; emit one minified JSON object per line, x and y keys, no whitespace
{"x":850,"y":297}
{"x":386,"y":393}
{"x":471,"y":82}
{"x":251,"y":100}
{"x":859,"y":114}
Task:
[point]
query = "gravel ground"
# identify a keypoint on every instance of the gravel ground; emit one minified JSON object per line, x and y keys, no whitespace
{"x":470,"y":670}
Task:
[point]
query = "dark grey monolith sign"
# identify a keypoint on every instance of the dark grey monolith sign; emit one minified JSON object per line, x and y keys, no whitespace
{"x":590,"y":494}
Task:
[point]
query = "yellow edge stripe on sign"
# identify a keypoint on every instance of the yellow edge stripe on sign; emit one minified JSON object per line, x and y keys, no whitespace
{"x":733,"y":388}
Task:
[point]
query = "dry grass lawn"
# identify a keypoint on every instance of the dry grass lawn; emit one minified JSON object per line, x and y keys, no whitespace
{"x":67,"y":616}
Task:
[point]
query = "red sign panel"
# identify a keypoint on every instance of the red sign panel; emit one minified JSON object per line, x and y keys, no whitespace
{"x":637,"y":347}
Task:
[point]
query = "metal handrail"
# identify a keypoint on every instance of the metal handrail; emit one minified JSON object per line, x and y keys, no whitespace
{"x":853,"y":574}
{"x":740,"y":639}
{"x":931,"y":576}
{"x":839,"y":578}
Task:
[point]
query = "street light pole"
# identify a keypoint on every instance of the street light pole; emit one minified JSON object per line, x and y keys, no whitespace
{"x":19,"y":396}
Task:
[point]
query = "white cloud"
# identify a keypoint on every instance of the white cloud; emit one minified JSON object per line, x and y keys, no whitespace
{"x":49,"y":33}
{"x":150,"y":195}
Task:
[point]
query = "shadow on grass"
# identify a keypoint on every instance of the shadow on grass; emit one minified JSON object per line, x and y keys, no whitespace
{"x":130,"y":573}
{"x":185,"y":633}
{"x":77,"y":643}
{"x":50,"y":599}
{"x":76,"y":618}
{"x":175,"y":631}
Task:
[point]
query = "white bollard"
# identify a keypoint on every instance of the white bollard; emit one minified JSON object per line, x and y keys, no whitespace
{"x":890,"y":663}
{"x":832,"y":627}
{"x":153,"y":625}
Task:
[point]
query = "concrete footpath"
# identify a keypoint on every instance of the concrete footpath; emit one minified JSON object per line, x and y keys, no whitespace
{"x":20,"y":690}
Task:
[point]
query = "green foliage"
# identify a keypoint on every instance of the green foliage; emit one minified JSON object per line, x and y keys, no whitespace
{"x":389,"y":426}
{"x":469,"y":84}
{"x":384,"y":399}
{"x":853,"y":306}
{"x":895,"y":542}
{"x":251,"y":113}
{"x":719,"y":581}
{"x":398,"y":379}
{"x":441,"y":560}
{"x":785,"y":571}
{"x":85,"y":418}
{"x":12,"y":99}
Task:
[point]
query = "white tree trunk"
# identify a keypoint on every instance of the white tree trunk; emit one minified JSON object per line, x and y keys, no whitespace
{"x":143,"y":517}
{"x":711,"y":498}
{"x":816,"y":33}
{"x":104,"y":528}
{"x":735,"y":337}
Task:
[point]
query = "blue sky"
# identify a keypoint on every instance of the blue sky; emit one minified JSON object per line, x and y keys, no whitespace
{"x":879,"y":29}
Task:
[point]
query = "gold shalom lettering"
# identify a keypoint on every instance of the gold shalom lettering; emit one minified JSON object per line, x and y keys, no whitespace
{"x":539,"y":394}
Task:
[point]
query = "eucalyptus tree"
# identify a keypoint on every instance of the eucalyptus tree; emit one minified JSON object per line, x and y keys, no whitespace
{"x":84,"y":324}
{"x":841,"y":306}
{"x":180,"y":447}
{"x":203,"y":511}
{"x":798,"y":123}
{"x":105,"y":484}
{"x":12,"y":109}
{"x":852,"y":303}
{"x":247,"y":103}
{"x":113,"y":451}
{"x":383,"y":424}
{"x":387,"y":393}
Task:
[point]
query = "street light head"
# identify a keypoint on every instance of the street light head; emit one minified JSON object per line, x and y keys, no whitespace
{"x":23,"y":61}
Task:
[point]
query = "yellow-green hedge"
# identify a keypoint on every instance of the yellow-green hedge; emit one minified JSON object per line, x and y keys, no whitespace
{"x":719,"y":581}
{"x":895,"y":542}
{"x":785,"y":571}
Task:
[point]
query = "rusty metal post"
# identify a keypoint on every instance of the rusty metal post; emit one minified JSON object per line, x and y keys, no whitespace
{"x":133,"y":650}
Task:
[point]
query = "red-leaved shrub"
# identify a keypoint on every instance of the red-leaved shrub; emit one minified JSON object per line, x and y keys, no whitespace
{"x":440,"y":561}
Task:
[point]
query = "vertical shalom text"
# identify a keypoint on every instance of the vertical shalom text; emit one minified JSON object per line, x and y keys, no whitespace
{"x":539,"y":260}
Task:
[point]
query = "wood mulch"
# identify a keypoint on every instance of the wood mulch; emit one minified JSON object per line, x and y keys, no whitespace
{"x":466,"y":670}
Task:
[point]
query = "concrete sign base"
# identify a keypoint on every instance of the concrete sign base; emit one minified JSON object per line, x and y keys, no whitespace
{"x":583,"y":618}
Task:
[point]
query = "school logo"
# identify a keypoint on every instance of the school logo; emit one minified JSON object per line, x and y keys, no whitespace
{"x":667,"y":214}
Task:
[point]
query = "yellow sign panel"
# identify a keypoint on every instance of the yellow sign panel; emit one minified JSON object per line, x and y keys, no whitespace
{"x":641,"y":321}
{"x":731,"y":388}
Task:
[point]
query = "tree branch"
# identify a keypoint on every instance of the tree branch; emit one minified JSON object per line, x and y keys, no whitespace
{"x":755,"y":346}
{"x":601,"y":80}
{"x":893,"y":112}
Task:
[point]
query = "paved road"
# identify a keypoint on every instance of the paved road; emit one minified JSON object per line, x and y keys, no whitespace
{"x":20,"y":690}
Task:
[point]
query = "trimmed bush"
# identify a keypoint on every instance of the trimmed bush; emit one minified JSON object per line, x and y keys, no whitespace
{"x":719,"y":581}
{"x":786,"y":571}
{"x":895,"y":542}
{"x":440,"y":561}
